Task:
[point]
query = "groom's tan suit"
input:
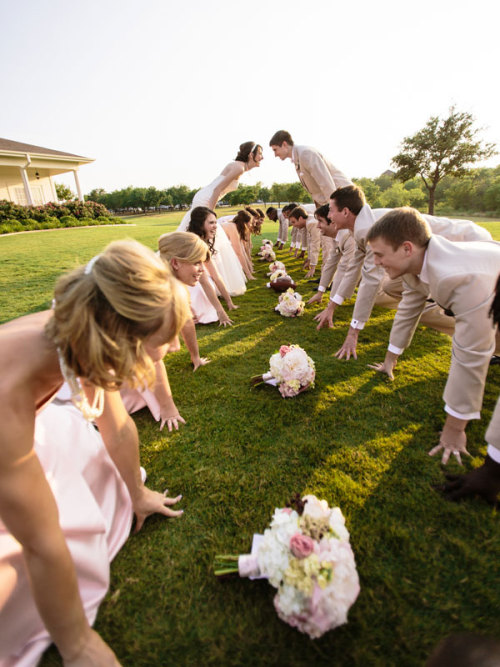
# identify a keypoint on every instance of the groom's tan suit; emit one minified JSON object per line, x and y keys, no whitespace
{"x":460,"y":277}
{"x":317,"y":174}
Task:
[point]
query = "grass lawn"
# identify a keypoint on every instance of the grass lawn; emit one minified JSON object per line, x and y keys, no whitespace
{"x":427,"y":567}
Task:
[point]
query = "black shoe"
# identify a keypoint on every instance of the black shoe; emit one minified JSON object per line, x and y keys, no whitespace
{"x":495,"y":360}
{"x":313,"y":281}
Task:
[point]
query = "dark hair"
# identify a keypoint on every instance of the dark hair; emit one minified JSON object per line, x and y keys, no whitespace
{"x":288,"y":208}
{"x":322,"y":212}
{"x":272,"y":211}
{"x":495,"y":306}
{"x":252,"y":211}
{"x":299,"y":212}
{"x":279,"y":137}
{"x":260,"y":213}
{"x":242,"y":221}
{"x":400,"y":225}
{"x":196,"y":222}
{"x":351,"y":197}
{"x":247,"y":149}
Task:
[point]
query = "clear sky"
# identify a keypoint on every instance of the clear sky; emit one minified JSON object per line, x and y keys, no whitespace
{"x":162,"y":92}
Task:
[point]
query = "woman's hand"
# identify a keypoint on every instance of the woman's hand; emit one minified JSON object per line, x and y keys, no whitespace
{"x":152,"y":502}
{"x":172,"y":421}
{"x":224,"y":319}
{"x":199,"y":361}
{"x":232,"y":306}
{"x":94,"y":651}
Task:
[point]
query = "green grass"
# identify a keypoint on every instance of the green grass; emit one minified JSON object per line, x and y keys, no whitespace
{"x":427,"y":567}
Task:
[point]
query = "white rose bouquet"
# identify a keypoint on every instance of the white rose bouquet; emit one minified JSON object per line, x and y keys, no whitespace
{"x":306,"y":555}
{"x":290,"y":304}
{"x":290,"y":369}
{"x":276,"y":266}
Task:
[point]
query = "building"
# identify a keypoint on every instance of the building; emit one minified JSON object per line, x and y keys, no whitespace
{"x":26,"y":172}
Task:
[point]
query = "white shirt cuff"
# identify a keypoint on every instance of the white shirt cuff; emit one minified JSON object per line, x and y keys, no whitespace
{"x":493,"y":453}
{"x":458,"y":415}
{"x":395,"y":350}
{"x":321,"y":289}
{"x":336,"y":298}
{"x":356,"y":324}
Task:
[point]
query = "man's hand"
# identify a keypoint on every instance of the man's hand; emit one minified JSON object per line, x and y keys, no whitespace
{"x":317,"y":298}
{"x":348,"y":348}
{"x":310,"y":273}
{"x":325,"y":318}
{"x":387,"y":366}
{"x":453,"y":440}
{"x":483,"y":481}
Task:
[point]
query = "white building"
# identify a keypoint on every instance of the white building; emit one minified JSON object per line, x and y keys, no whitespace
{"x":26,"y":172}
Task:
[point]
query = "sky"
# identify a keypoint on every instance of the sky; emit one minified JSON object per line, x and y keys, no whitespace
{"x":162,"y":92}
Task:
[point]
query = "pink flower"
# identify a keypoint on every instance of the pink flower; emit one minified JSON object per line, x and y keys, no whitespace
{"x":301,"y":545}
{"x":284,"y":349}
{"x":287,"y":510}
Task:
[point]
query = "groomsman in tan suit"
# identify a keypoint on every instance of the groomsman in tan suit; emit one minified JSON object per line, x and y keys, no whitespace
{"x":337,"y":262}
{"x":317,"y":174}
{"x":301,"y":219}
{"x":461,"y":277}
{"x":349,"y":210}
{"x":485,"y":480}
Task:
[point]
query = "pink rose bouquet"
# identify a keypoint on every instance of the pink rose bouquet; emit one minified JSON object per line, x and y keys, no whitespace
{"x":290,"y":369}
{"x":266,"y":252}
{"x":306,"y":555}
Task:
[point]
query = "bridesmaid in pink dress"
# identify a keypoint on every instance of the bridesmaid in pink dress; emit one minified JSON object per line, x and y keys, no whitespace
{"x":67,"y":492}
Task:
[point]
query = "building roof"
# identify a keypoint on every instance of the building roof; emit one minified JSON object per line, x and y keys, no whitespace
{"x":18,"y":147}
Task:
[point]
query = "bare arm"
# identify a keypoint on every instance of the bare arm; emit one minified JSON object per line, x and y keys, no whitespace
{"x":169,"y":414}
{"x":216,"y":277}
{"x":212,"y":297}
{"x":119,"y":433}
{"x":188,"y":333}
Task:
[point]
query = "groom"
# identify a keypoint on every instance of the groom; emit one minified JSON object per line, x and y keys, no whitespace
{"x":317,"y":174}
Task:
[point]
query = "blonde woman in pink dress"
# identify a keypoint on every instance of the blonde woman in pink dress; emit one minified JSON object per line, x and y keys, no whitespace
{"x":67,"y":491}
{"x":249,"y":157}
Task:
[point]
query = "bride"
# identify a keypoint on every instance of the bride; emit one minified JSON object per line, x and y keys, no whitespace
{"x":249,"y":156}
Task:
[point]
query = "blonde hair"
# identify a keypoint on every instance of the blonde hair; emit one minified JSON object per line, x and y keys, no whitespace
{"x":183,"y":246}
{"x":103,"y":314}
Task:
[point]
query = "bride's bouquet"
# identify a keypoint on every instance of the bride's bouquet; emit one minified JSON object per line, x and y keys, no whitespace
{"x":306,"y":555}
{"x":266,"y":252}
{"x":290,"y":304}
{"x":290,"y":369}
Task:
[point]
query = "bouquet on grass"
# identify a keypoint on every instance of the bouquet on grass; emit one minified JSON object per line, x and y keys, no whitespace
{"x":290,"y":369}
{"x":290,"y":304}
{"x":276,"y":266}
{"x":266,"y":252}
{"x":306,"y":555}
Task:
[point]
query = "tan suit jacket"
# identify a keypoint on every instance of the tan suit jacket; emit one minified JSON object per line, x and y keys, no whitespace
{"x":313,"y":240}
{"x":317,"y":174}
{"x":338,"y":260}
{"x":363,"y":264}
{"x":462,"y":279}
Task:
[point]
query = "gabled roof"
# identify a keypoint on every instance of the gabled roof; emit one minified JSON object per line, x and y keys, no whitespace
{"x":18,"y":147}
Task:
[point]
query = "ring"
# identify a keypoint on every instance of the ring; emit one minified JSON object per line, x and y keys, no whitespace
{"x":456,"y":452}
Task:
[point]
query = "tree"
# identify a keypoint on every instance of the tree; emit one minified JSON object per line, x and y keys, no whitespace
{"x":63,"y":192}
{"x":441,"y":148}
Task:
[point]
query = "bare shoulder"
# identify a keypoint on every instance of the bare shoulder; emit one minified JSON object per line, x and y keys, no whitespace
{"x":234,"y":169}
{"x":28,"y":360}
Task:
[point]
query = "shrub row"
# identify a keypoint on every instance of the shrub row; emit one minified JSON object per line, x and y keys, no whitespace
{"x":17,"y":218}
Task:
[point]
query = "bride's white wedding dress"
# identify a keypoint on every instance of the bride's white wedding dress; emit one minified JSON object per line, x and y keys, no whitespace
{"x":225,"y":258}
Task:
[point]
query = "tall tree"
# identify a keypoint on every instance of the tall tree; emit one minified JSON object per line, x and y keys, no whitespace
{"x":443,"y":147}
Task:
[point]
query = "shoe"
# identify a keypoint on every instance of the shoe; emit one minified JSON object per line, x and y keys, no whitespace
{"x":144,"y":475}
{"x":495,"y":360}
{"x":313,"y":281}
